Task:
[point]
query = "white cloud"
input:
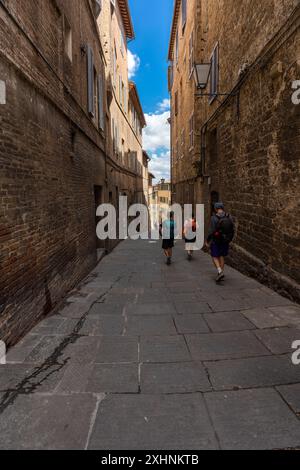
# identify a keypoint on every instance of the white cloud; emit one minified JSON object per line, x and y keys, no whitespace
{"x":160,"y":165}
{"x":157,"y":132}
{"x":164,"y":105}
{"x":134,"y":63}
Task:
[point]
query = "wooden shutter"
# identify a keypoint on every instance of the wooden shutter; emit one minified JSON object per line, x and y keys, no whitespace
{"x":90,"y":80}
{"x":101,"y":102}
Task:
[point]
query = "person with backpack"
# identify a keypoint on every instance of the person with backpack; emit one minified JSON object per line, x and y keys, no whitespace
{"x":221,"y":234}
{"x":167,"y":232}
{"x":189,"y":233}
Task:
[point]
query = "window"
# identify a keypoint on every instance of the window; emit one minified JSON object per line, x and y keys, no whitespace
{"x":101,"y":101}
{"x":90,"y":81}
{"x":183,"y":12}
{"x":125,"y":99}
{"x":170,"y":76}
{"x":214,"y":75}
{"x":191,"y":132}
{"x":97,"y":7}
{"x":177,"y":48}
{"x":68,"y":39}
{"x":120,"y":91}
{"x":115,"y":67}
{"x":191,"y":54}
{"x":116,"y":140}
{"x":182,"y":142}
{"x":96,"y":96}
{"x":122,"y":43}
{"x":176,"y":103}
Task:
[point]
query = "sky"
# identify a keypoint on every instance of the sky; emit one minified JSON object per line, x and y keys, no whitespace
{"x":148,"y":68}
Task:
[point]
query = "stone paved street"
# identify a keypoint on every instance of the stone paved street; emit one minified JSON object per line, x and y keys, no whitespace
{"x":145,"y":356}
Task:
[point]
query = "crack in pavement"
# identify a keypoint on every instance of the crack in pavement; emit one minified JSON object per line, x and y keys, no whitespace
{"x":51,"y":364}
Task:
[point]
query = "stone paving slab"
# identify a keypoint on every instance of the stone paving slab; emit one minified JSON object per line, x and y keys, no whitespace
{"x":103,"y":325}
{"x":279,"y":340}
{"x":166,"y":308}
{"x":186,"y":308}
{"x":117,"y":349}
{"x":81,"y":350}
{"x":291,"y":394}
{"x":19,"y":352}
{"x":253,"y":420}
{"x":253,"y":372}
{"x":99,"y":378}
{"x":161,"y":422}
{"x":229,"y":305}
{"x":44,"y":349}
{"x":191,"y":324}
{"x":228,"y":321}
{"x":217,"y":346}
{"x":164,"y":349}
{"x":13,"y":374}
{"x":113,"y":378}
{"x":174,"y":378}
{"x":47,"y":422}
{"x":106,"y":309}
{"x":290,"y":314}
{"x":145,"y":325}
{"x":264,"y":318}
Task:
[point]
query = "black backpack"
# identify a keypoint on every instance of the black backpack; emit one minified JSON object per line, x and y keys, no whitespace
{"x":225,"y":229}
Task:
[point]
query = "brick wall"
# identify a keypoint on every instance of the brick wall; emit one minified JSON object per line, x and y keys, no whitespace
{"x":253,"y":142}
{"x":51,"y":157}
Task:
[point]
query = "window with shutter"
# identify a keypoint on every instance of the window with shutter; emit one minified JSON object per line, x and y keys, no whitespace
{"x":120,"y":90}
{"x":125,"y":98}
{"x":191,"y":133}
{"x":90,"y":81}
{"x":176,"y":103}
{"x":214,"y":75}
{"x":177,"y":47}
{"x":184,"y":12}
{"x":97,"y":7}
{"x":170,"y":76}
{"x":113,"y":134}
{"x":101,"y":101}
{"x":191,"y":55}
{"x":114,"y":67}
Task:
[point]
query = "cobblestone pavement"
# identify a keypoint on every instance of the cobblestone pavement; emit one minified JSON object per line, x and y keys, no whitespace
{"x":146,"y":356}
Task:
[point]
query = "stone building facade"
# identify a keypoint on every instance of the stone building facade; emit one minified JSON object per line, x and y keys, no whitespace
{"x":56,"y":164}
{"x":246,"y":145}
{"x":126,"y":118}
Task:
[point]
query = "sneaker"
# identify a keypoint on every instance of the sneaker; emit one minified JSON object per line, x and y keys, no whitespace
{"x":220,"y":277}
{"x":169,"y":261}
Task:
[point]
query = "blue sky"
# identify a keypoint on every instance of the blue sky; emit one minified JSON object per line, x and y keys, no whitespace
{"x":148,"y":68}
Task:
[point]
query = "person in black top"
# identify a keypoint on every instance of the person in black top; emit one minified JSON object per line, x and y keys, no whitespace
{"x":220,"y":235}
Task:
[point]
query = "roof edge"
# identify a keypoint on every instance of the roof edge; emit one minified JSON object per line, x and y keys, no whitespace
{"x":126,"y":17}
{"x":177,"y":5}
{"x":133,"y":89}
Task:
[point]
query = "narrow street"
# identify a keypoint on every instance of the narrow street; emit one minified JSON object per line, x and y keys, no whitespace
{"x":145,"y":356}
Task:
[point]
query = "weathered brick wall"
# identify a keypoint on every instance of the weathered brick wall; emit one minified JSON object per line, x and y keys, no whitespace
{"x":51,"y":156}
{"x":253,"y":161}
